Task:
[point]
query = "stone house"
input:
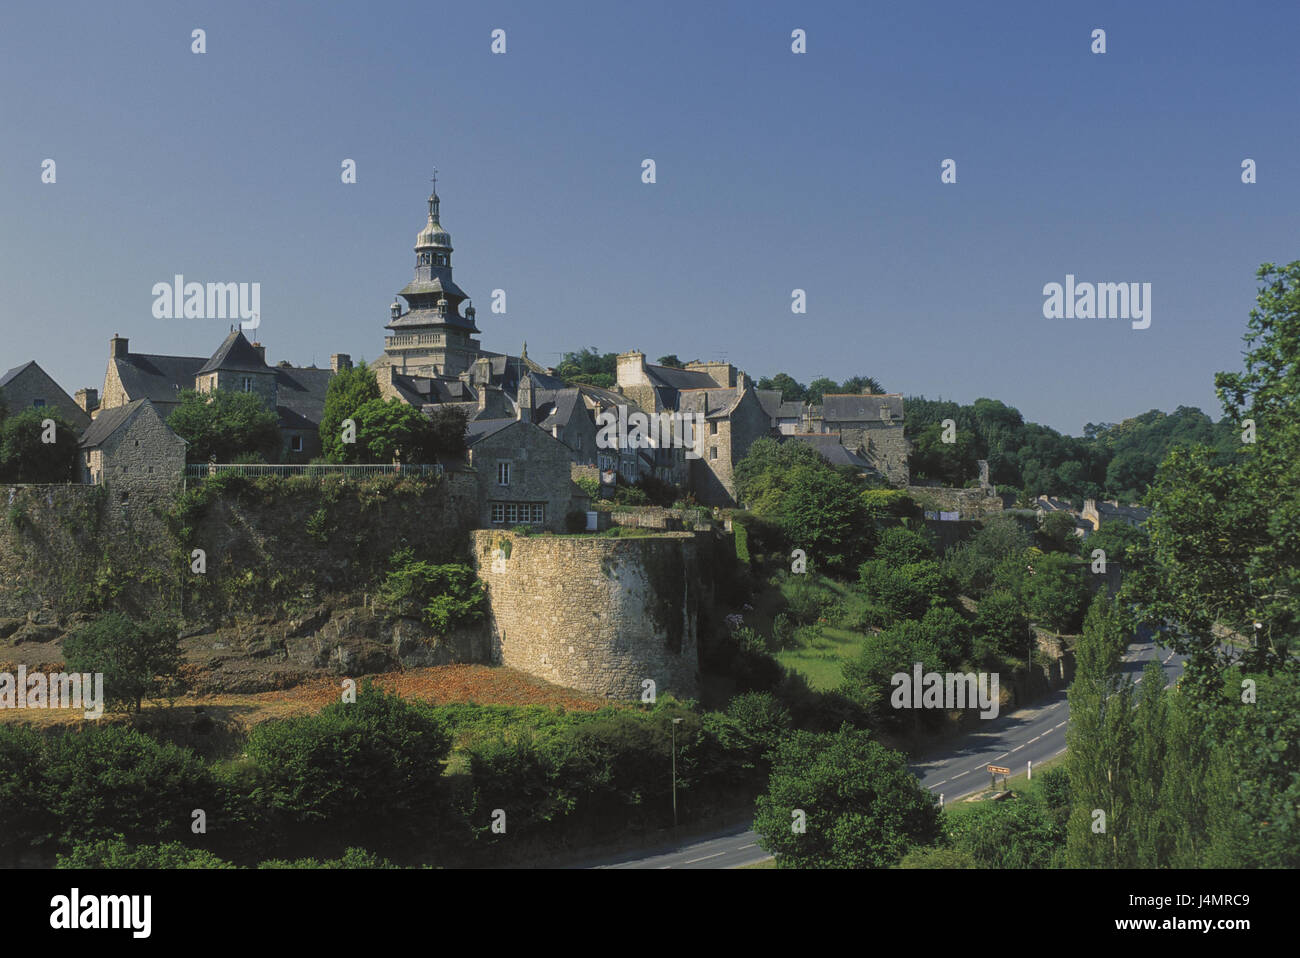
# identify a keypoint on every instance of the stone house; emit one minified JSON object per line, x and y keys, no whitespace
{"x":724,"y":396}
{"x":30,"y":387}
{"x":131,"y":447}
{"x":296,"y":394}
{"x":524,"y":475}
{"x":1097,"y":514}
{"x":869,"y":424}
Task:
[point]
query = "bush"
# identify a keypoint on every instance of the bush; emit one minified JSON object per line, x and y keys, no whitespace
{"x":906,"y":591}
{"x":26,"y":457}
{"x":116,"y":853}
{"x":443,"y":597}
{"x":807,"y":599}
{"x":113,"y":782}
{"x":899,"y":546}
{"x":371,"y":769}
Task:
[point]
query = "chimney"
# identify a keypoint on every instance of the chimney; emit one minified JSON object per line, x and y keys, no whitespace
{"x":117,"y":347}
{"x":261,"y":352}
{"x":482,"y":397}
{"x":340,"y":362}
{"x":526,"y":397}
{"x":87,"y":399}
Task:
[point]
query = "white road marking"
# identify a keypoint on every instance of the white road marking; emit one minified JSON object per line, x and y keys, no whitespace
{"x":960,"y":774}
{"x":1033,"y":740}
{"x":1003,"y":755}
{"x":938,"y":783}
{"x":1016,"y":749}
{"x":692,"y":861}
{"x":1066,"y":722}
{"x":750,"y":845}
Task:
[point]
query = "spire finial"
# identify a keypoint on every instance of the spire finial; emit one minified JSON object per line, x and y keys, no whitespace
{"x":433,"y":198}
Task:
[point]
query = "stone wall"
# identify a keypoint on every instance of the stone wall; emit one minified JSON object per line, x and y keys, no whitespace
{"x":970,"y":503}
{"x":596,"y":614}
{"x":66,"y":549}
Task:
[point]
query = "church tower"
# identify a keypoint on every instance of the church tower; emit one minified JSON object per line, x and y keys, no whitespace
{"x":432,"y":337}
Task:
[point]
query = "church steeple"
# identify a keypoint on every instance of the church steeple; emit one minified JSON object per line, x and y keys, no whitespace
{"x":433,"y":332}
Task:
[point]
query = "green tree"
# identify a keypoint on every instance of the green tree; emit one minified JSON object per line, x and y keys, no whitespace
{"x":868,"y":679}
{"x":1100,"y":742}
{"x":138,"y":660}
{"x":898,"y":545}
{"x":1001,"y":628}
{"x":1224,"y":548}
{"x":670,"y":360}
{"x":224,"y":424}
{"x":791,"y":389}
{"x":860,"y":805}
{"x":25,"y":456}
{"x":348,"y":391}
{"x":392,"y":431}
{"x":861,"y":384}
{"x":822,"y":514}
{"x":1056,"y":591}
{"x":819,"y":387}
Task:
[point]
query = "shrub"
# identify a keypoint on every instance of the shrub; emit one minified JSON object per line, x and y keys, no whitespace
{"x":442,"y":596}
{"x":371,"y":769}
{"x":116,"y":853}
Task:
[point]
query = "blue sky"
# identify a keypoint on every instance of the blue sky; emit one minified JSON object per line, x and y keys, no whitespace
{"x":775,"y":171}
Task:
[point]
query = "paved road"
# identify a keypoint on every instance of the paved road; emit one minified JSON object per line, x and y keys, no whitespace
{"x":954,"y":771}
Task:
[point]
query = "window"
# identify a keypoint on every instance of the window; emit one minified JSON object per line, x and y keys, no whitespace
{"x":713,"y":452}
{"x":579,"y":442}
{"x":295,"y":443}
{"x":38,"y":403}
{"x":517,"y":513}
{"x":248,"y":384}
{"x":713,"y":429}
{"x":503,"y":473}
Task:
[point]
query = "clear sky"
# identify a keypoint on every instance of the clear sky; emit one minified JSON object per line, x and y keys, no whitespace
{"x":775,"y":171}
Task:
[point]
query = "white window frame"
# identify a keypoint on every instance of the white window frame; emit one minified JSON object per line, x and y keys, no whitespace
{"x":503,"y":472}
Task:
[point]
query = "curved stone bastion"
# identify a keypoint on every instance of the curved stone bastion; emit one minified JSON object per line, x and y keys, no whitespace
{"x":594,"y":613}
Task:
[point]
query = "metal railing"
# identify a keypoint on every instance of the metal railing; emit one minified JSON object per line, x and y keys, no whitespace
{"x":202,"y":470}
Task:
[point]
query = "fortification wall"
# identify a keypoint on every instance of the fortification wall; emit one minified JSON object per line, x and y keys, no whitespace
{"x":970,"y":503}
{"x":597,"y":614}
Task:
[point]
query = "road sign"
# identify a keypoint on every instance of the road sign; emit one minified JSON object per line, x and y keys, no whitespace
{"x":999,"y":770}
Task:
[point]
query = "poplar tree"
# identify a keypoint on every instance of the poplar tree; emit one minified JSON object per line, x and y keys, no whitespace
{"x":1100,"y":743}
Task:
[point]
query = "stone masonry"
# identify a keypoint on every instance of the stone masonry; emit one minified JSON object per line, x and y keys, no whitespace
{"x":595,"y":614}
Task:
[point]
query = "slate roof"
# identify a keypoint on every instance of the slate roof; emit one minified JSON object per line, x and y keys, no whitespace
{"x":770,"y":400}
{"x":431,"y":317}
{"x":555,"y":407}
{"x":13,"y":373}
{"x":790,"y":410}
{"x":852,"y":407}
{"x":300,"y":394}
{"x":235,"y":352}
{"x":830,"y":448}
{"x":157,"y":378}
{"x":679,"y":378}
{"x":111,"y":420}
{"x":482,"y":428}
{"x":715,"y":403}
{"x":1136,"y":513}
